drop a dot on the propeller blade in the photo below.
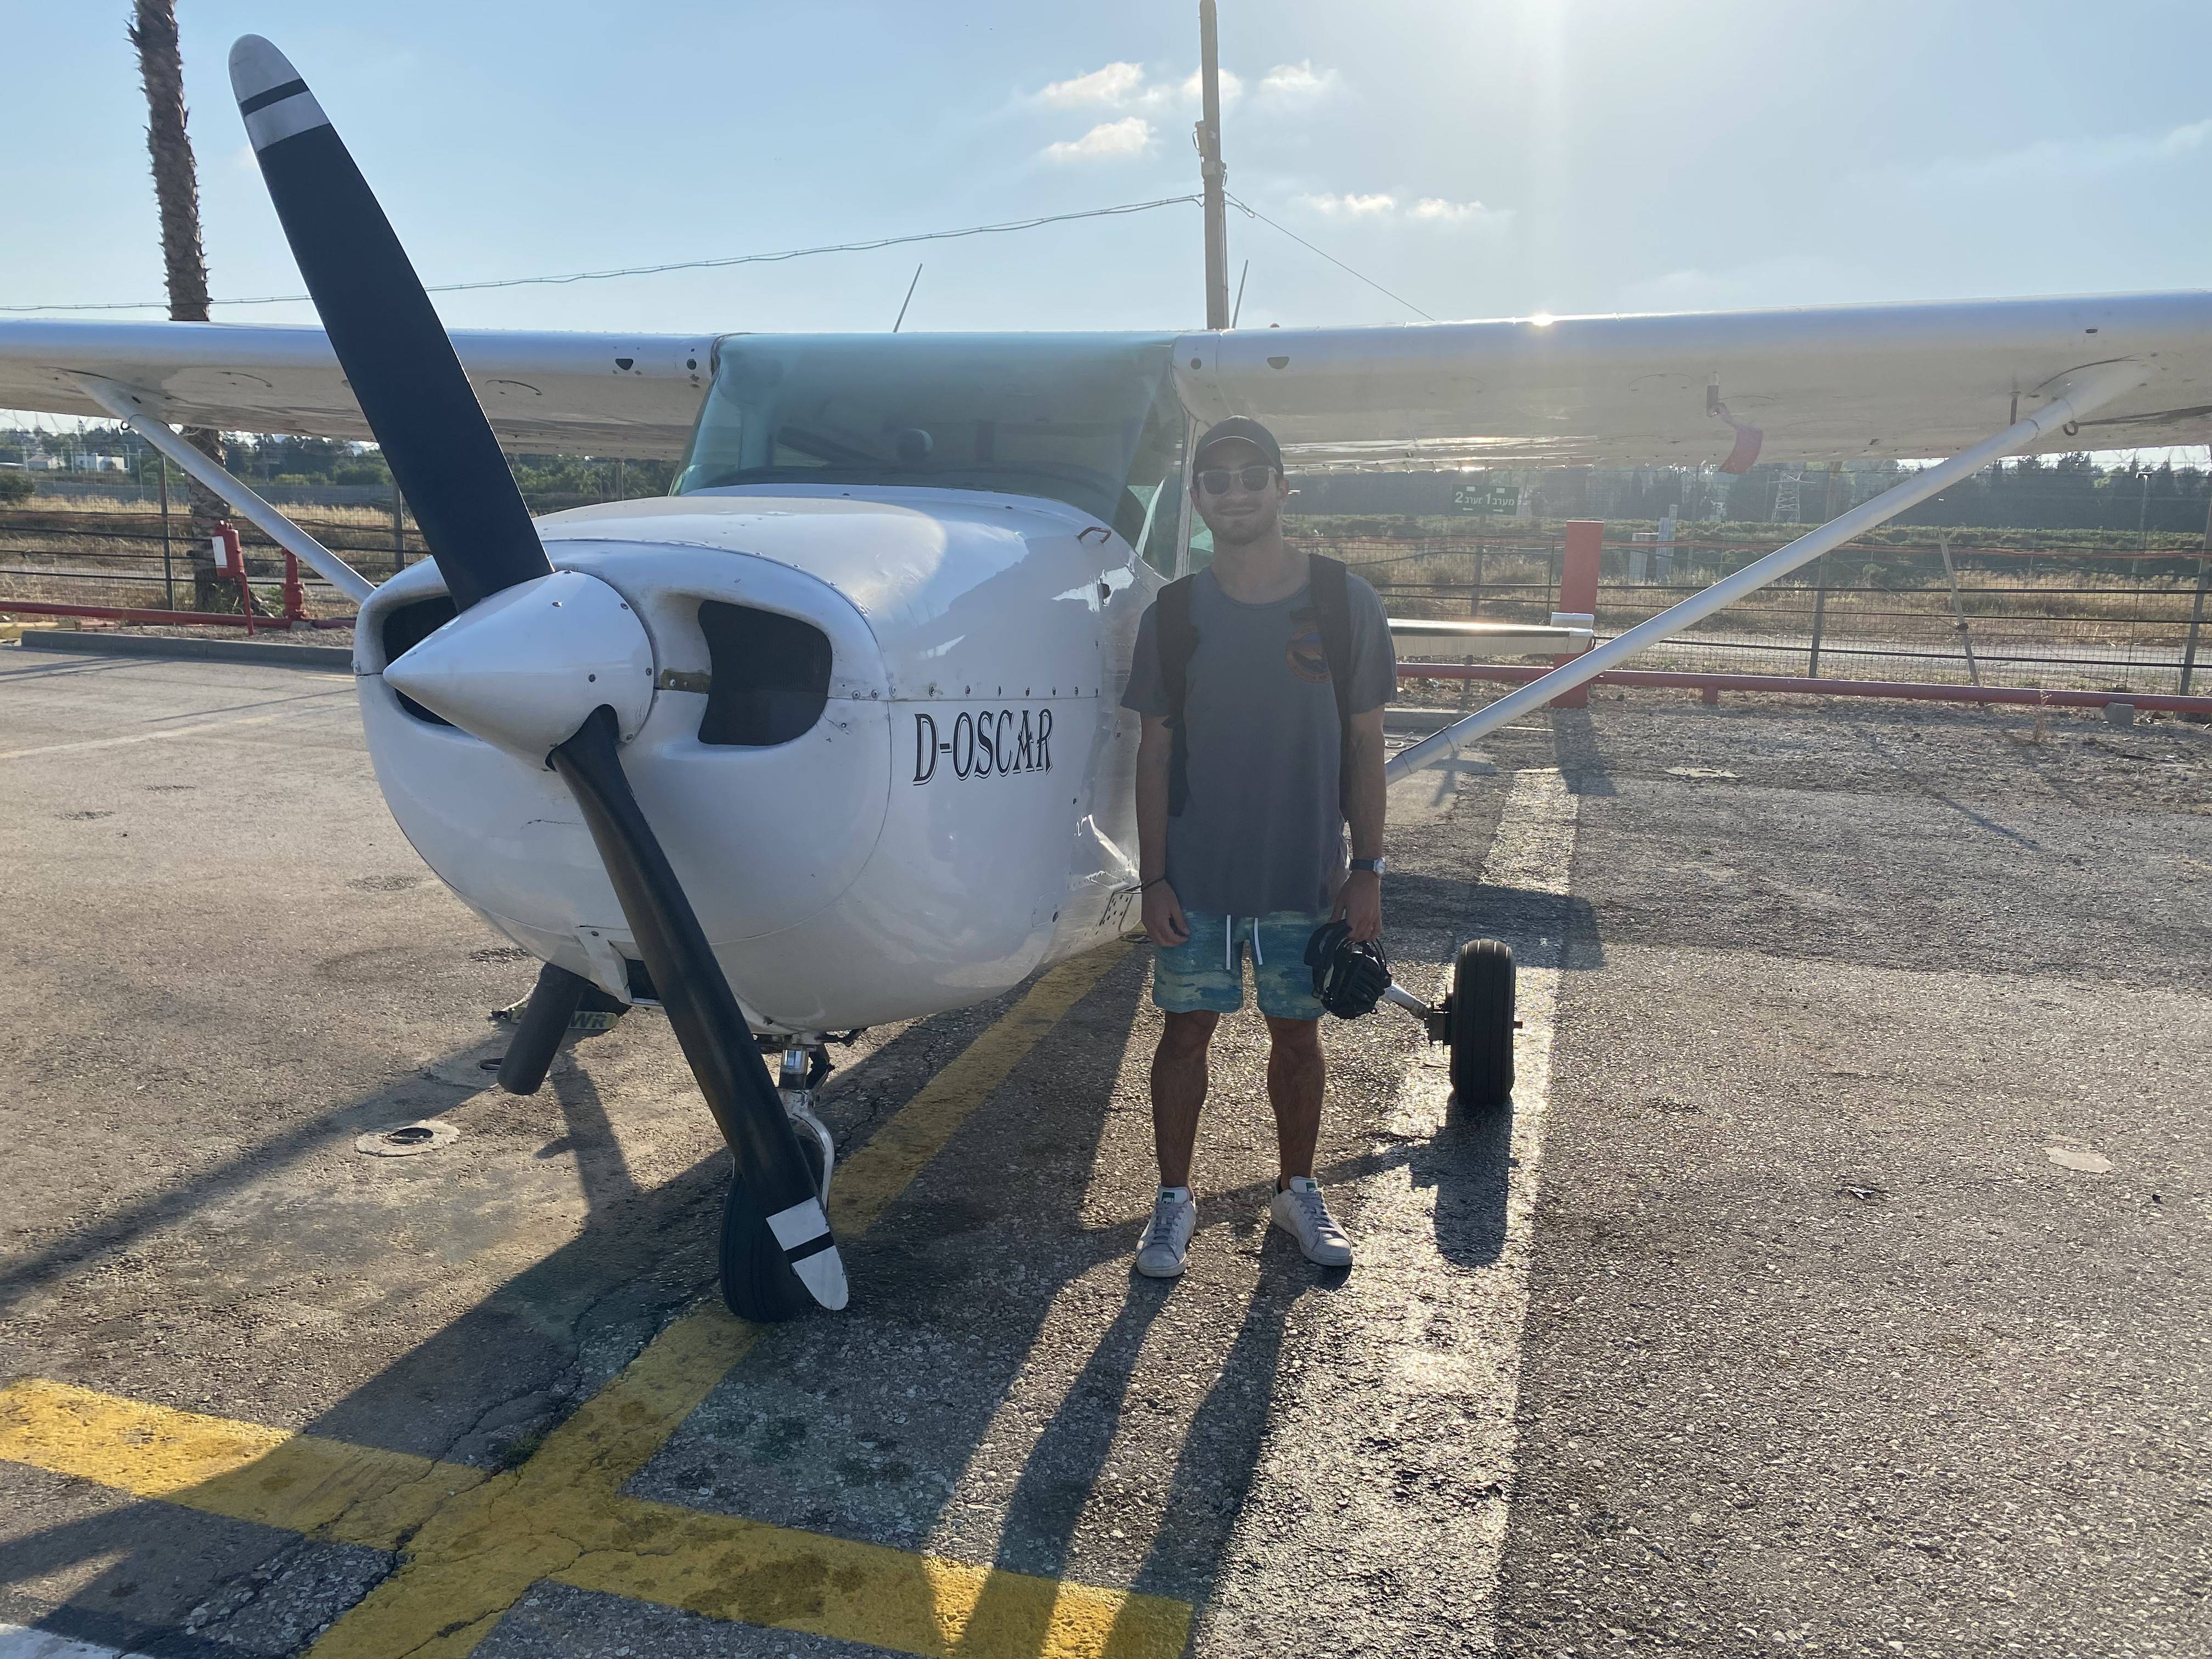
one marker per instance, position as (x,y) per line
(696,998)
(388,340)
(409,384)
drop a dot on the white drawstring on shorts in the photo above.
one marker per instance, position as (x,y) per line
(1229,944)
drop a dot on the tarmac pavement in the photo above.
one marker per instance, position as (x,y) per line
(1837,1284)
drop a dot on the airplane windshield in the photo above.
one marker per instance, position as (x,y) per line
(1090,420)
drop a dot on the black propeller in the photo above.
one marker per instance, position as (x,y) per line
(446,459)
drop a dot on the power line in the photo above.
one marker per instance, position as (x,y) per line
(999,229)
(1247,208)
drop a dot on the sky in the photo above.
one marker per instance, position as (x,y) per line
(1488,158)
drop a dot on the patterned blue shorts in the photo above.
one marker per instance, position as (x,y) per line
(1207,970)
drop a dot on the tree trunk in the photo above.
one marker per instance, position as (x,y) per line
(153,31)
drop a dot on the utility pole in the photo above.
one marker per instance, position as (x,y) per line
(1212,172)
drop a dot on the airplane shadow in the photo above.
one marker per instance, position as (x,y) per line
(520,1357)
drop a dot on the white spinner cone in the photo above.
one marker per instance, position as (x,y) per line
(525,668)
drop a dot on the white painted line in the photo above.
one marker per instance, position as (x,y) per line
(155,737)
(17,1642)
(1382,1492)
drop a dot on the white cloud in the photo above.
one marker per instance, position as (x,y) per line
(1296,80)
(1191,94)
(1349,206)
(2049,159)
(1131,86)
(1779,279)
(1126,136)
(1377,206)
(1114,84)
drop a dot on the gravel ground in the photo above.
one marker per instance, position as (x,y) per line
(1859,1234)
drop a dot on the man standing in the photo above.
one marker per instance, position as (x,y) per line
(1262,682)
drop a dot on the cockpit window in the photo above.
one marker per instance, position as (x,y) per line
(1090,420)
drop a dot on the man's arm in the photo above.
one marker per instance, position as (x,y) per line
(1164,918)
(1360,903)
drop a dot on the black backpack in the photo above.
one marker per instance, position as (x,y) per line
(1178,640)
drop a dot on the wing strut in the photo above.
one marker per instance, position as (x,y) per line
(128,407)
(2081,392)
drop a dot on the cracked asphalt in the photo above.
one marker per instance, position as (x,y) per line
(1859,1234)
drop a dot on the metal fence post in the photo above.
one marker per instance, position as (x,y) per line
(1820,618)
(1958,615)
(168,571)
(2196,622)
(398,532)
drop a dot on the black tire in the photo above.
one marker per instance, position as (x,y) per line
(757,1282)
(1481,1025)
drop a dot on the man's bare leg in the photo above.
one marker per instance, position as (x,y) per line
(1297,1076)
(1179,1091)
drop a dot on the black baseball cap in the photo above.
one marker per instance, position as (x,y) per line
(1239,429)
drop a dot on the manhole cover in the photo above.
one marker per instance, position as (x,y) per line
(408,1138)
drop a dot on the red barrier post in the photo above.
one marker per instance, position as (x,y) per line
(230,558)
(1577,594)
(295,596)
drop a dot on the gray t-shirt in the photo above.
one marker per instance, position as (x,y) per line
(1263,827)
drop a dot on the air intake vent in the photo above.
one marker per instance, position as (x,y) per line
(771,676)
(406,628)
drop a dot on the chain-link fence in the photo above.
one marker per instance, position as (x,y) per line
(72,554)
(1935,612)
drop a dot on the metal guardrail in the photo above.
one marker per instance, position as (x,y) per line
(2020,615)
(1925,614)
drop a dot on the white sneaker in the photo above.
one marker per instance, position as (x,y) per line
(1167,1235)
(1298,1211)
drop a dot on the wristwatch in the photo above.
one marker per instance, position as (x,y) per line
(1373,866)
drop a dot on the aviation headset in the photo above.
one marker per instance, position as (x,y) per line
(1348,979)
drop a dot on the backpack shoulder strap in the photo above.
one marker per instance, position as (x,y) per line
(1332,595)
(1177,642)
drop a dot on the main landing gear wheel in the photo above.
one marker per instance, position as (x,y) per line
(1480,1023)
(757,1282)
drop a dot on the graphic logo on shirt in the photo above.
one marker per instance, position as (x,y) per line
(1305,655)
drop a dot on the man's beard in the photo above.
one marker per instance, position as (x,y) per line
(1243,535)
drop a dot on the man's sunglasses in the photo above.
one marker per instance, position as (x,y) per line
(1214,481)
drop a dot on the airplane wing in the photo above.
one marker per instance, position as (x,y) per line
(631,395)
(1816,384)
(1828,383)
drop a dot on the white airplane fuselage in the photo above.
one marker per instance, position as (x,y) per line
(909,808)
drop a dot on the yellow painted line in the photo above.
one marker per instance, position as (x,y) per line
(476,1542)
(563,1513)
(756,1574)
(867,1182)
(245,1471)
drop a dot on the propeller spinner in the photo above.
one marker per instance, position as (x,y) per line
(552,666)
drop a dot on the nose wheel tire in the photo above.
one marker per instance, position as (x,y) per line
(1480,1025)
(757,1282)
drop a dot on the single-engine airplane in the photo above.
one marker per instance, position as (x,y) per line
(828,737)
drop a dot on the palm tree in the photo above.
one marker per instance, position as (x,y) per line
(153,30)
